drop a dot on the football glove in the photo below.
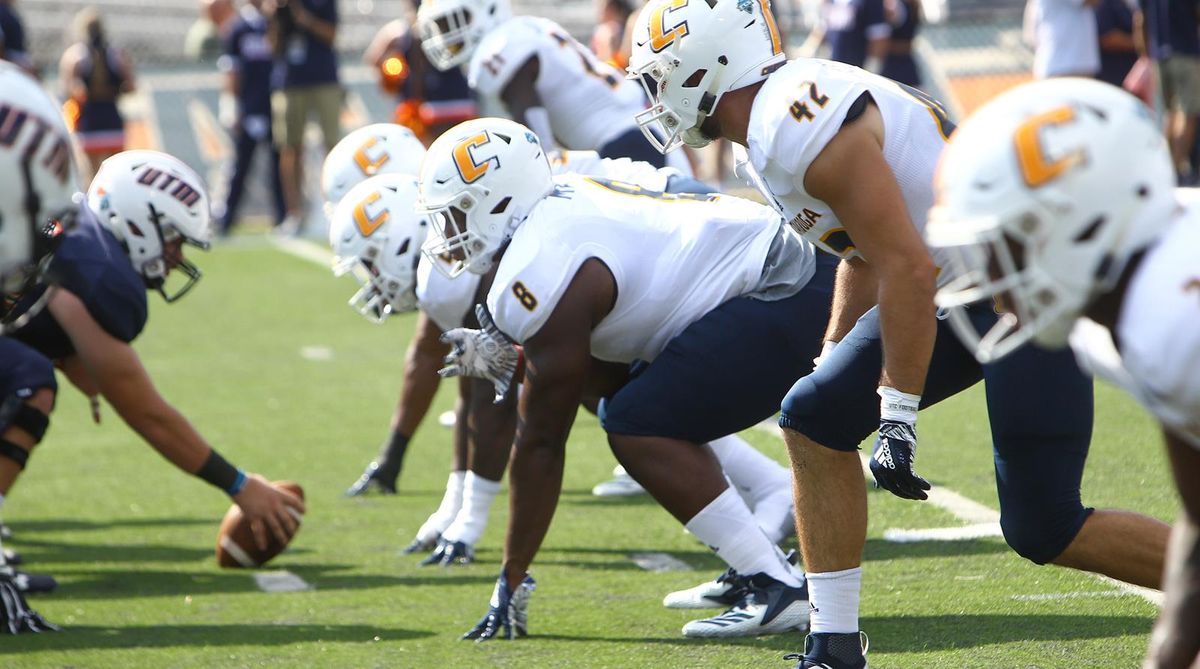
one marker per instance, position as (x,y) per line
(15,614)
(508,612)
(372,480)
(450,553)
(486,353)
(895,452)
(893,458)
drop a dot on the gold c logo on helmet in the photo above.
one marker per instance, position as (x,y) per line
(1036,168)
(660,37)
(369,166)
(468,169)
(367,224)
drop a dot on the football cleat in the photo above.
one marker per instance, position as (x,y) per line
(723,592)
(28,583)
(768,607)
(450,553)
(419,545)
(12,557)
(15,614)
(372,481)
(621,485)
(832,651)
(5,532)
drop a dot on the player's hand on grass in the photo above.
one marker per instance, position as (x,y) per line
(486,353)
(894,458)
(269,509)
(507,612)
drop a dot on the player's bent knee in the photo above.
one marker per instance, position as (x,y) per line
(802,414)
(1040,536)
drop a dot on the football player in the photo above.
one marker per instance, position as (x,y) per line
(36,204)
(142,208)
(848,158)
(541,76)
(1057,201)
(376,236)
(688,314)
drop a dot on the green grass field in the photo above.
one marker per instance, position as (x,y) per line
(131,539)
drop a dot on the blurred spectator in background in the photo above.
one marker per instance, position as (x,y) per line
(856,32)
(13,47)
(305,82)
(609,35)
(1166,31)
(899,65)
(1063,35)
(203,40)
(429,101)
(1114,27)
(246,61)
(93,76)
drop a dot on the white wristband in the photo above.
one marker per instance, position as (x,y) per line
(897,406)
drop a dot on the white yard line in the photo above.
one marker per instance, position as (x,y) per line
(659,562)
(974,514)
(280,581)
(304,249)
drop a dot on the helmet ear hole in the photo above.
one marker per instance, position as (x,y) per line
(1090,231)
(694,80)
(501,206)
(404,246)
(133,227)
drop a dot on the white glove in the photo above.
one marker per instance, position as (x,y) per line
(486,353)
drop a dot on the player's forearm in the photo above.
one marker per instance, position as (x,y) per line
(854,292)
(908,326)
(535,480)
(169,433)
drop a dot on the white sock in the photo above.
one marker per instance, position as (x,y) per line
(727,526)
(834,598)
(451,503)
(764,483)
(472,518)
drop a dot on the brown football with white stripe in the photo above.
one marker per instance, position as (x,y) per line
(235,540)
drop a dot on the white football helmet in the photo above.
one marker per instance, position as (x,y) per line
(688,53)
(451,30)
(380,148)
(149,199)
(1042,197)
(377,235)
(37,190)
(478,183)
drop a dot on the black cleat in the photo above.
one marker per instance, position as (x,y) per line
(28,583)
(15,614)
(419,545)
(372,481)
(832,651)
(12,557)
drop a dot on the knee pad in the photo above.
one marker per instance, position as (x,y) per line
(1041,534)
(14,412)
(13,452)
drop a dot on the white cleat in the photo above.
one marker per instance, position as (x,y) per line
(621,485)
(723,592)
(769,607)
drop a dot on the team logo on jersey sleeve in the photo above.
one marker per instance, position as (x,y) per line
(660,36)
(1037,168)
(464,160)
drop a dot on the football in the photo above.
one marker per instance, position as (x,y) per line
(235,540)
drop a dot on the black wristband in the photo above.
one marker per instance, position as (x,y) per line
(217,471)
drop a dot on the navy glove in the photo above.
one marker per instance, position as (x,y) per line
(507,612)
(893,458)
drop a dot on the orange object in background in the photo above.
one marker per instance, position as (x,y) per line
(70,113)
(393,72)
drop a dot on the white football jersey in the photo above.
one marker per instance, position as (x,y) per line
(447,302)
(589,102)
(619,169)
(799,110)
(1159,330)
(674,259)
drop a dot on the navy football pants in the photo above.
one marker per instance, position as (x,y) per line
(1039,406)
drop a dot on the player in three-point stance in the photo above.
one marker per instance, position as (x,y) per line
(1057,200)
(848,158)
